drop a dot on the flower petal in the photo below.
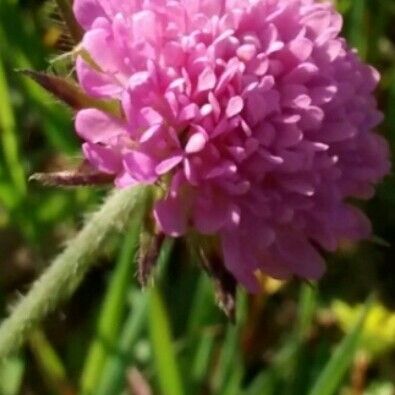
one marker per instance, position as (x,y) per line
(140,166)
(97,84)
(97,126)
(168,164)
(171,216)
(207,80)
(86,12)
(302,259)
(236,262)
(196,142)
(235,106)
(102,158)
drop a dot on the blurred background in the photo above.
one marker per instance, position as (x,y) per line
(111,338)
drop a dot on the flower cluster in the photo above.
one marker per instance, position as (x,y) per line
(253,114)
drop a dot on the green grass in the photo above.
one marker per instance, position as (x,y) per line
(284,342)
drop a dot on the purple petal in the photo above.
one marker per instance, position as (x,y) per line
(97,84)
(86,11)
(235,106)
(196,143)
(299,254)
(168,164)
(97,126)
(236,263)
(140,166)
(102,158)
(207,80)
(171,216)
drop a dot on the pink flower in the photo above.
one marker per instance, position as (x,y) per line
(254,114)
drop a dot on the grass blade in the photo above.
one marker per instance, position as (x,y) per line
(294,368)
(49,364)
(329,380)
(11,374)
(9,140)
(114,372)
(113,379)
(231,357)
(202,356)
(167,371)
(358,29)
(113,310)
(263,384)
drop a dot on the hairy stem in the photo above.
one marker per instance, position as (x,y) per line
(61,279)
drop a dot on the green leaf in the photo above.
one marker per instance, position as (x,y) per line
(49,364)
(233,385)
(9,139)
(331,377)
(306,310)
(263,384)
(357,28)
(114,372)
(113,309)
(113,379)
(11,374)
(165,359)
(201,332)
(202,357)
(231,357)
(294,367)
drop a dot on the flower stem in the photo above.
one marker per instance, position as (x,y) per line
(62,278)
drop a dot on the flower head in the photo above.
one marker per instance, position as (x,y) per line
(254,115)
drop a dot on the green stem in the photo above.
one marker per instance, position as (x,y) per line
(9,138)
(61,279)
